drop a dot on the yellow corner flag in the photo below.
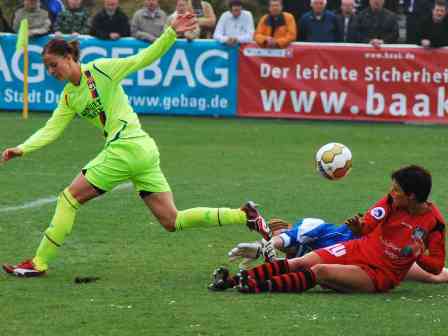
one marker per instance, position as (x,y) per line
(22,43)
(22,35)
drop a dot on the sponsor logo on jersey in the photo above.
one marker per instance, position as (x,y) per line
(338,250)
(91,84)
(95,108)
(378,213)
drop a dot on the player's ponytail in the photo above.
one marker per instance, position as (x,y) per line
(62,48)
(74,49)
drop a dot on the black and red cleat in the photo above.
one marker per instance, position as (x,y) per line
(255,220)
(248,285)
(26,269)
(220,280)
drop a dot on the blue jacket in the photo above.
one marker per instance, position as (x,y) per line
(326,29)
(54,7)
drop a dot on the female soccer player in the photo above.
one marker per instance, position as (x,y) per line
(401,229)
(93,91)
(309,234)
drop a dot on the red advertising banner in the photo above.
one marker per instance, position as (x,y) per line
(345,82)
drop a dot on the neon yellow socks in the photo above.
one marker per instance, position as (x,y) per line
(201,217)
(61,226)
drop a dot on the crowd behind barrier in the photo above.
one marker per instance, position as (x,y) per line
(205,77)
(357,21)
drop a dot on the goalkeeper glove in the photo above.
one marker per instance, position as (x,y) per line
(245,250)
(252,251)
(355,224)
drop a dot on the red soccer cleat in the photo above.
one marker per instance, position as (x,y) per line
(26,269)
(255,220)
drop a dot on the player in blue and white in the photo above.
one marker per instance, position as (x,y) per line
(309,234)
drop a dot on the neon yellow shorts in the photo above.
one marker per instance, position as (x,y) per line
(134,159)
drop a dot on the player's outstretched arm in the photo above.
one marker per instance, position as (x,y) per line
(184,23)
(11,153)
(53,128)
(120,68)
(252,251)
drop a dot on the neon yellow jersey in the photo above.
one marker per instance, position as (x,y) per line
(100,98)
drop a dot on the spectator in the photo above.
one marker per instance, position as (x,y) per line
(89,5)
(319,24)
(391,5)
(346,19)
(433,30)
(73,20)
(235,26)
(376,25)
(148,23)
(53,7)
(415,11)
(111,23)
(38,20)
(206,17)
(296,8)
(277,29)
(183,7)
(4,26)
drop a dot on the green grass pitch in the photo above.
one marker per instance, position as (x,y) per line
(154,282)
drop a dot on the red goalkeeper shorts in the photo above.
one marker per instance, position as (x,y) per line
(349,253)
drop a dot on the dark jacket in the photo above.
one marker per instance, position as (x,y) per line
(103,24)
(391,5)
(437,33)
(419,11)
(421,7)
(381,25)
(326,29)
(4,26)
(297,8)
(350,35)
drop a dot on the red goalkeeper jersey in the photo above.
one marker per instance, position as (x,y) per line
(393,239)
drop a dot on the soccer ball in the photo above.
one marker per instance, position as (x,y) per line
(334,161)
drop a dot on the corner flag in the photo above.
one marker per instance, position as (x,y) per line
(22,43)
(22,35)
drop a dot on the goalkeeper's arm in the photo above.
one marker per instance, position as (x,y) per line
(355,224)
(252,251)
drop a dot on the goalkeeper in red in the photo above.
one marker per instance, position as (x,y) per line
(400,229)
(93,91)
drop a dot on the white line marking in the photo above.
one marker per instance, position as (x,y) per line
(49,200)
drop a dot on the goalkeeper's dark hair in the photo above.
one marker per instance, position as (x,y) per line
(415,180)
(62,48)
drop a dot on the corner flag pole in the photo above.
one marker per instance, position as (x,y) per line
(25,83)
(22,43)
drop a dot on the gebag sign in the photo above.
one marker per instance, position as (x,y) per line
(196,78)
(348,82)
